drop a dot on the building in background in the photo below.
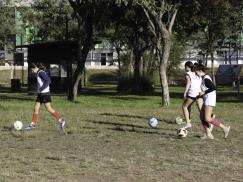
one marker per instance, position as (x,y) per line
(102,56)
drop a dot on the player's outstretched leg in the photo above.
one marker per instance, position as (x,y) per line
(56,114)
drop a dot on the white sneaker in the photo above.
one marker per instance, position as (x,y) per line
(205,136)
(188,125)
(226,131)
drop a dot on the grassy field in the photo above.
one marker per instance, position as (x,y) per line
(107,139)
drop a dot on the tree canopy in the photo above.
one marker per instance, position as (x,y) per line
(139,25)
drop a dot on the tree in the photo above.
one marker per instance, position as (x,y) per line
(48,20)
(211,21)
(161,17)
(7,28)
(139,38)
(93,18)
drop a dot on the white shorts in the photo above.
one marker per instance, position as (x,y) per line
(210,99)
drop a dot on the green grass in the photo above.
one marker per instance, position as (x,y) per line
(107,139)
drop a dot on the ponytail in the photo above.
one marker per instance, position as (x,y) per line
(200,67)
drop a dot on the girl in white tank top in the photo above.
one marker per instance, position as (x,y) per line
(192,90)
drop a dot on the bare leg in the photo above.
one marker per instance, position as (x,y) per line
(199,104)
(215,122)
(186,109)
(205,124)
(49,108)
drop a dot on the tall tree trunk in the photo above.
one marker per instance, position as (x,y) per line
(163,57)
(206,58)
(86,47)
(119,61)
(137,87)
(78,73)
(212,66)
(162,33)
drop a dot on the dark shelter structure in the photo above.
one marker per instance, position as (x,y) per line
(230,75)
(60,59)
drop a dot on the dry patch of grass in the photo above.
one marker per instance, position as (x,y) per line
(107,139)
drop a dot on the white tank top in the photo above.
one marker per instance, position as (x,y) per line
(195,86)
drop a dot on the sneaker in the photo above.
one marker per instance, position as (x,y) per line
(30,127)
(205,136)
(179,120)
(188,125)
(226,131)
(62,124)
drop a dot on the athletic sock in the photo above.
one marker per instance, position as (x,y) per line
(34,119)
(57,115)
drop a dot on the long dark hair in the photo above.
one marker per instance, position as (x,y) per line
(200,67)
(190,65)
(38,65)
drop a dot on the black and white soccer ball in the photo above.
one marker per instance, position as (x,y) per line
(182,132)
(18,125)
(153,122)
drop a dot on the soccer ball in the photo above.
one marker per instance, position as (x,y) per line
(182,132)
(18,125)
(179,120)
(153,122)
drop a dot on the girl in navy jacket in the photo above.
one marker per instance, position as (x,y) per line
(44,96)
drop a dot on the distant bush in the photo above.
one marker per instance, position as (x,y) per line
(102,76)
(126,84)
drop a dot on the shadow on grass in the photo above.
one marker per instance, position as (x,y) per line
(118,124)
(128,98)
(8,94)
(224,94)
(135,129)
(229,97)
(124,115)
(135,116)
(156,132)
(11,97)
(7,128)
(7,89)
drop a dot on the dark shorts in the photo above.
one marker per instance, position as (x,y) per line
(193,98)
(43,98)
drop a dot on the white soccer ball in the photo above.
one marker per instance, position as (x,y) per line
(18,125)
(153,122)
(179,120)
(182,132)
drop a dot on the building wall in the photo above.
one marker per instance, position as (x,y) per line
(100,57)
(221,56)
